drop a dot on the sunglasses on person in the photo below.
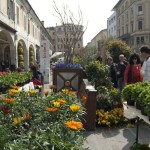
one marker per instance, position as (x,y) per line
(134,58)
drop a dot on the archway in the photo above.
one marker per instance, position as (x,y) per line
(7,50)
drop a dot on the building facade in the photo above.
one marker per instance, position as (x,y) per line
(133,22)
(99,38)
(69,36)
(111,26)
(21,33)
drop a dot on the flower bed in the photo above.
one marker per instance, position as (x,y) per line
(30,120)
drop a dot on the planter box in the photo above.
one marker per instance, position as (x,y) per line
(67,78)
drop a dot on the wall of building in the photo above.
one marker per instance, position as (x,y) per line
(19,22)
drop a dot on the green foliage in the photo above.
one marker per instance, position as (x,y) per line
(98,74)
(14,78)
(115,95)
(139,146)
(127,92)
(89,54)
(116,47)
(31,124)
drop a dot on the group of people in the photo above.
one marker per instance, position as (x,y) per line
(135,70)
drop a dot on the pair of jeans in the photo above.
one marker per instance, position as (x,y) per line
(121,83)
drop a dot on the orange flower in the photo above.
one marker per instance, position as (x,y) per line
(26,116)
(46,92)
(51,109)
(15,87)
(8,100)
(84,98)
(52,86)
(61,101)
(74,125)
(72,92)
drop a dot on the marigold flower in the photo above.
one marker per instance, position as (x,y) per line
(74,108)
(46,92)
(16,121)
(61,101)
(8,100)
(15,87)
(65,91)
(84,98)
(13,92)
(71,92)
(51,109)
(74,125)
(31,92)
(52,86)
(56,104)
(26,116)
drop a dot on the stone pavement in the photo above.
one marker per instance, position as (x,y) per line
(116,138)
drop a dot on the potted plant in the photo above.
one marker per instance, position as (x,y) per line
(127,93)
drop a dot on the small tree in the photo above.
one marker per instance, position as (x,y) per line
(116,47)
(73,28)
(88,54)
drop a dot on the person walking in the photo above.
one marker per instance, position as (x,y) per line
(145,56)
(113,68)
(133,70)
(121,66)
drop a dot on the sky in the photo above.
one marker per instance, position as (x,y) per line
(95,13)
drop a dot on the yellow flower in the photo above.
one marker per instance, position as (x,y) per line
(65,91)
(74,108)
(51,109)
(56,104)
(74,125)
(31,92)
(16,121)
(13,92)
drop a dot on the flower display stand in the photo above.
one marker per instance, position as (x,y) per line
(67,78)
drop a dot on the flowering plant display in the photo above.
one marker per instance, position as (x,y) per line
(68,65)
(20,54)
(30,120)
(109,118)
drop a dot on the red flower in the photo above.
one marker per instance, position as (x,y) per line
(6,110)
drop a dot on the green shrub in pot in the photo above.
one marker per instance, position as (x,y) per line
(127,93)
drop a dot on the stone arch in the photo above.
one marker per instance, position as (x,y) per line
(7,49)
(31,55)
(22,54)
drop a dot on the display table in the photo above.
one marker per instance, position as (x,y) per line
(131,112)
(27,87)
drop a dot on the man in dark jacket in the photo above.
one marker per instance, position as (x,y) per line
(113,68)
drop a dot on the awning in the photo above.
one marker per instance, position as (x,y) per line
(56,54)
